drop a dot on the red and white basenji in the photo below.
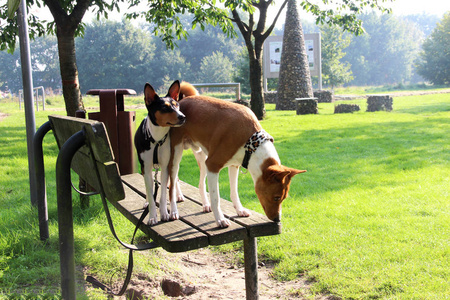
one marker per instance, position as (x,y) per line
(224,134)
(153,135)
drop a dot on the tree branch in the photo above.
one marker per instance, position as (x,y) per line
(78,12)
(243,28)
(56,10)
(272,26)
(65,20)
(262,18)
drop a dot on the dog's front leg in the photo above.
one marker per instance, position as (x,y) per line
(213,185)
(173,203)
(148,179)
(163,198)
(233,173)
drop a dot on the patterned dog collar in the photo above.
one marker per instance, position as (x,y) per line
(253,143)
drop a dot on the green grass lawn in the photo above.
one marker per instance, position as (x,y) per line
(369,220)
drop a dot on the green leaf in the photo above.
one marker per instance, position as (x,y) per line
(13,5)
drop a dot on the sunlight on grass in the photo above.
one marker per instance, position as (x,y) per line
(368,220)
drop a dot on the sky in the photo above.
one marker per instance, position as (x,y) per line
(410,7)
(399,8)
(403,7)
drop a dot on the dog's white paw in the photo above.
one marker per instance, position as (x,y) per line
(243,212)
(180,198)
(165,217)
(174,216)
(207,209)
(152,221)
(223,223)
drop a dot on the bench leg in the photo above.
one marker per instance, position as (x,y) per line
(39,171)
(65,217)
(251,268)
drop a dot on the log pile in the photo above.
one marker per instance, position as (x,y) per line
(346,108)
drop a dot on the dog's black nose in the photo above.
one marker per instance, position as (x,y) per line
(277,219)
(182,117)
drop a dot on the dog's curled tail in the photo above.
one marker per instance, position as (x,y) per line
(187,89)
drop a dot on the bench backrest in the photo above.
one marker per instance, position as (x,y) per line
(94,162)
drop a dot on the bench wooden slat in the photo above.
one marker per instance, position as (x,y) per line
(136,182)
(64,127)
(83,166)
(191,213)
(174,236)
(256,224)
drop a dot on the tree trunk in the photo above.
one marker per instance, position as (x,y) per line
(69,71)
(66,26)
(256,84)
(255,63)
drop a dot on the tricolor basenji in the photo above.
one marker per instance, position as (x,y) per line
(224,134)
(153,135)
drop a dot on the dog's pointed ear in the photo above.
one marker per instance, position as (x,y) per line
(295,172)
(281,173)
(275,174)
(174,90)
(149,94)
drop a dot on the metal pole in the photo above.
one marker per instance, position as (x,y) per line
(43,98)
(27,80)
(238,92)
(41,191)
(65,217)
(320,61)
(35,94)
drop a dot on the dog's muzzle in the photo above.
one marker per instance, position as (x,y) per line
(181,119)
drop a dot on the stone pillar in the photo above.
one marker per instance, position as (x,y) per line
(305,106)
(324,96)
(346,108)
(379,103)
(295,79)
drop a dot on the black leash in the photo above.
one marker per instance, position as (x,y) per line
(130,246)
(152,245)
(156,164)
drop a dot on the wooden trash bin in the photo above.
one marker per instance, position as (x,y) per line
(120,124)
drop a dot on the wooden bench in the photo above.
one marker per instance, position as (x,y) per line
(84,147)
